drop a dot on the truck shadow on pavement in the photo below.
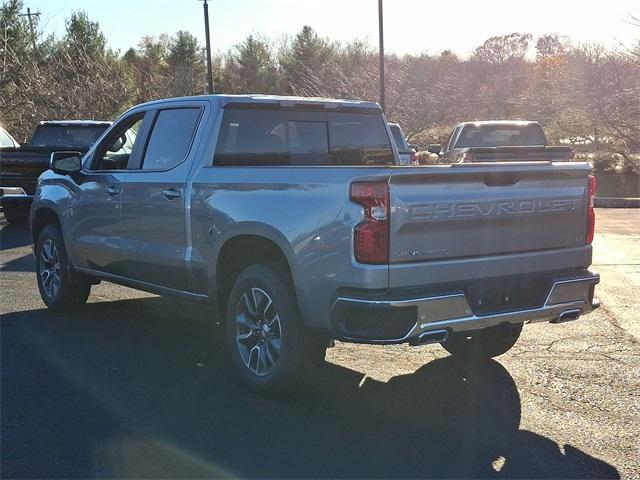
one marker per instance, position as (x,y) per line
(142,389)
(13,236)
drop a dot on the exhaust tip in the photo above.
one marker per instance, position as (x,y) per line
(437,336)
(568,316)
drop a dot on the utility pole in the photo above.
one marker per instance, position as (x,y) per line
(381,31)
(33,33)
(208,42)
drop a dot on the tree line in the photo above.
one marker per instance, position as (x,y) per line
(585,95)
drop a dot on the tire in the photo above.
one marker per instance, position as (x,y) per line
(15,214)
(269,347)
(484,344)
(61,289)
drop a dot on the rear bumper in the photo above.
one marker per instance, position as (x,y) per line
(409,319)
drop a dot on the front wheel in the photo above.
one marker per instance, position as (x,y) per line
(270,349)
(60,288)
(484,344)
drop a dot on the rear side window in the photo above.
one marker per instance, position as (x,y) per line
(279,137)
(170,138)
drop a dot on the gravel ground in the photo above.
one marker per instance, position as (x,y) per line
(138,386)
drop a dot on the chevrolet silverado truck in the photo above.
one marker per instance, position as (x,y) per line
(21,165)
(294,218)
(500,141)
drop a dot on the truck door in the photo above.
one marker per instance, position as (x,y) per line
(95,216)
(154,234)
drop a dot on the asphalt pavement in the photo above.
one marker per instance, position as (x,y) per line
(138,386)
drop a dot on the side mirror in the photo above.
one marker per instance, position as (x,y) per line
(66,163)
(434,148)
(117,144)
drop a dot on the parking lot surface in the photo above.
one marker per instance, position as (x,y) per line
(138,386)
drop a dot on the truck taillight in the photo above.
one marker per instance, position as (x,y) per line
(371,236)
(414,159)
(591,214)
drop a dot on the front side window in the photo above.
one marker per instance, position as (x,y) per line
(170,138)
(114,152)
(279,137)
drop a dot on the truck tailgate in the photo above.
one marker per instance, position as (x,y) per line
(478,211)
(511,154)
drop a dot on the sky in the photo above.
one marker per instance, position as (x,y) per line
(411,26)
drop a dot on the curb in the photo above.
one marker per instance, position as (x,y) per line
(612,202)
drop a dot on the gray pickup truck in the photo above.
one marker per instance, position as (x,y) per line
(500,141)
(293,217)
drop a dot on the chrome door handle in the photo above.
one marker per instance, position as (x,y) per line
(171,194)
(112,190)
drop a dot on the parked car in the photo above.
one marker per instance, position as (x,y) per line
(290,217)
(6,140)
(500,141)
(21,165)
(407,152)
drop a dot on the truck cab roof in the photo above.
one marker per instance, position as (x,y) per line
(69,123)
(488,123)
(278,101)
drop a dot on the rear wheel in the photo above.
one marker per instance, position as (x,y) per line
(270,349)
(60,287)
(484,344)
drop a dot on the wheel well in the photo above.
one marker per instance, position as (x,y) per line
(43,217)
(238,254)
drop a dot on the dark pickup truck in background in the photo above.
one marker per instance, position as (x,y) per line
(500,141)
(21,165)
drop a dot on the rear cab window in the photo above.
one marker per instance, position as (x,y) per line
(501,136)
(266,137)
(67,135)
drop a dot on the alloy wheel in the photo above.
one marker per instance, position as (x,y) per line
(258,331)
(49,268)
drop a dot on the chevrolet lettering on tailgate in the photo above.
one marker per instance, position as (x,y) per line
(444,210)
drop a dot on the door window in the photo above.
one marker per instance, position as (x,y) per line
(171,138)
(114,152)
